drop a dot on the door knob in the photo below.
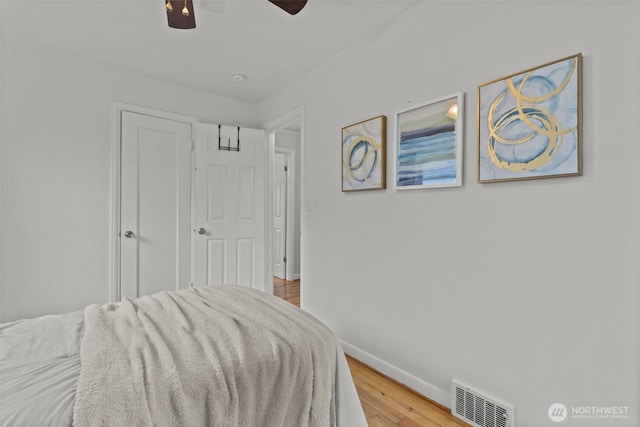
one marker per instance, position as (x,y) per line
(128,234)
(201,230)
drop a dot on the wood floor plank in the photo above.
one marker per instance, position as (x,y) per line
(408,422)
(373,399)
(390,404)
(375,415)
(386,403)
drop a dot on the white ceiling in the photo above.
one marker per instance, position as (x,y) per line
(252,37)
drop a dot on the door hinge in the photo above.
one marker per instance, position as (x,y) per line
(192,145)
(286,168)
(284,259)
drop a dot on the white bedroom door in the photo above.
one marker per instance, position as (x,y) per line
(229,232)
(155,205)
(279,215)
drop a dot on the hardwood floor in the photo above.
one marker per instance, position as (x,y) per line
(287,290)
(386,403)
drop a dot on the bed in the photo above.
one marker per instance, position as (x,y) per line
(211,356)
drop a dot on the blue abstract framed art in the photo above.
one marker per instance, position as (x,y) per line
(529,123)
(429,140)
(363,155)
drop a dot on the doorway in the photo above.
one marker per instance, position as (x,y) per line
(285,138)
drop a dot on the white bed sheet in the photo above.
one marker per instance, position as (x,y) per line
(40,366)
(39,369)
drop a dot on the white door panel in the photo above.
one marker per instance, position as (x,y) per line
(155,205)
(279,215)
(229,206)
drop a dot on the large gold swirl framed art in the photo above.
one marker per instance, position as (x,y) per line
(363,155)
(530,123)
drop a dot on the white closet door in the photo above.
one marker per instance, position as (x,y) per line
(155,234)
(229,207)
(279,215)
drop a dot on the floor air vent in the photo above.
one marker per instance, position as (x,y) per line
(478,409)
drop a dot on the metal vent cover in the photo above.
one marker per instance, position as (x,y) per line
(478,409)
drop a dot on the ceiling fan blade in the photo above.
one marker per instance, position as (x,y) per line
(290,6)
(180,14)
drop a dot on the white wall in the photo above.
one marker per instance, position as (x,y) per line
(526,290)
(291,140)
(56,160)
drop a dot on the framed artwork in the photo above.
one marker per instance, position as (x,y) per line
(363,155)
(429,140)
(530,123)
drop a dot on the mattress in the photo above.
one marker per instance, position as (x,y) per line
(40,366)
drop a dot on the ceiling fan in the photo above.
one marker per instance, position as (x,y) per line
(185,19)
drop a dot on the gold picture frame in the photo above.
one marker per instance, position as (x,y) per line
(364,160)
(530,123)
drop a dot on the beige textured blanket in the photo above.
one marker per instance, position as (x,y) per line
(214,356)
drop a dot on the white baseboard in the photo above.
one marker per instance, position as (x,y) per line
(296,276)
(421,386)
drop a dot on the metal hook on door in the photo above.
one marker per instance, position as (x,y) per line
(228,147)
